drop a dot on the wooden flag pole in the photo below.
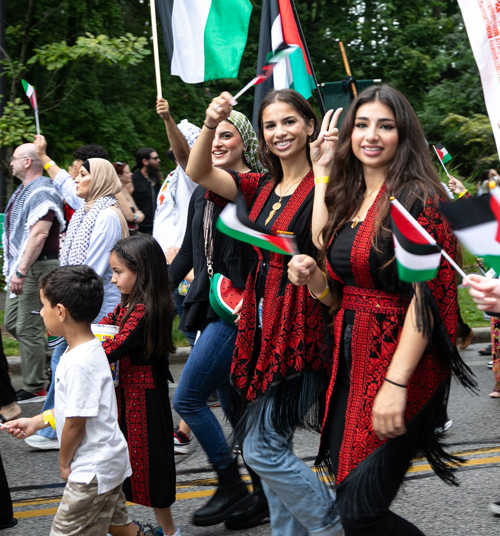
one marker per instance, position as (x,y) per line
(156,53)
(347,68)
(442,163)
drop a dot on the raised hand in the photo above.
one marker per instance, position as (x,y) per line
(219,109)
(323,149)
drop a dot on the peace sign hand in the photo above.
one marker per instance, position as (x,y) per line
(323,149)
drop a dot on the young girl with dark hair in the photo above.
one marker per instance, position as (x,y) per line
(141,347)
(394,342)
(280,363)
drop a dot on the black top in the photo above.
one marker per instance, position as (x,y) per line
(231,258)
(145,194)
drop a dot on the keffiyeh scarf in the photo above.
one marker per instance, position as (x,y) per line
(29,204)
(80,229)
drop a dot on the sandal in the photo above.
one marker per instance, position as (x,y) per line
(495,394)
(10,412)
(485,351)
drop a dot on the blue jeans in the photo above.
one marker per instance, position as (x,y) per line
(49,401)
(207,370)
(179,309)
(299,503)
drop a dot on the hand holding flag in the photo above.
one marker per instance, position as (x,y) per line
(31,94)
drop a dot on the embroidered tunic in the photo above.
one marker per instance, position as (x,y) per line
(375,302)
(144,411)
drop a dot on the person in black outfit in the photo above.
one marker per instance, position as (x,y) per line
(147,182)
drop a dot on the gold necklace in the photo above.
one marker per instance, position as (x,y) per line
(355,221)
(277,205)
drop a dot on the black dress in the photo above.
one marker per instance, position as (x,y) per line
(144,411)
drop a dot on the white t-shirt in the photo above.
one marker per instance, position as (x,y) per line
(84,388)
(171,218)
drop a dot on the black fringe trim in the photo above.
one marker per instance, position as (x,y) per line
(297,402)
(363,491)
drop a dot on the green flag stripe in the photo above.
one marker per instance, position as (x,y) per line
(226,23)
(249,239)
(415,276)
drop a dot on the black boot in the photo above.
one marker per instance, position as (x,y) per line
(255,509)
(231,491)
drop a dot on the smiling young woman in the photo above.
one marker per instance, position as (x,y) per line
(394,342)
(280,363)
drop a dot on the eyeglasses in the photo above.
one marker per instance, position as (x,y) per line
(12,158)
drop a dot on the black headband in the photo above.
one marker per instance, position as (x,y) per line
(123,253)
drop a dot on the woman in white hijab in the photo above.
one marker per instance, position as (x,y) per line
(93,230)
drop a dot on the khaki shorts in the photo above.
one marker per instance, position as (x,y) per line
(83,512)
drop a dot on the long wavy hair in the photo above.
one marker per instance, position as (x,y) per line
(269,160)
(409,177)
(143,255)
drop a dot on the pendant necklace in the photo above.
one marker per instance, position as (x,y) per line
(277,205)
(356,220)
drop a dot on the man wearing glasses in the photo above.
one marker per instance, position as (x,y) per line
(33,221)
(147,180)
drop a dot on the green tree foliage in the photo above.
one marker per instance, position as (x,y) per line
(95,79)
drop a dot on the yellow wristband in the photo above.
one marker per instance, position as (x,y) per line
(48,418)
(462,194)
(49,165)
(325,292)
(321,180)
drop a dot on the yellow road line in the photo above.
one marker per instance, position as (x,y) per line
(422,468)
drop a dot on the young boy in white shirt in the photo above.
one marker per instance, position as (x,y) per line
(93,456)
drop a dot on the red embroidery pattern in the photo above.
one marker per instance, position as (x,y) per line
(133,382)
(376,331)
(292,321)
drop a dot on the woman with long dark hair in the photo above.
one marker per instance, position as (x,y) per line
(394,342)
(280,363)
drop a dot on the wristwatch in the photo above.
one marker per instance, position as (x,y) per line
(20,275)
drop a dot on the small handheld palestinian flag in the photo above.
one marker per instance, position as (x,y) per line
(234,222)
(476,223)
(444,157)
(278,55)
(31,94)
(418,255)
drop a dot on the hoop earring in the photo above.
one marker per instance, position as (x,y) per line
(246,157)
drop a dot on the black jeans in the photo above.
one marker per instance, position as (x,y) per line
(384,522)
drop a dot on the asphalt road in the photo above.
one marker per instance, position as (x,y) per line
(438,509)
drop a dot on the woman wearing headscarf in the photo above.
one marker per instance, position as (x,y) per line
(208,367)
(94,229)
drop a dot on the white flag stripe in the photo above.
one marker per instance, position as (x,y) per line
(230,218)
(480,239)
(29,91)
(189,62)
(416,262)
(479,15)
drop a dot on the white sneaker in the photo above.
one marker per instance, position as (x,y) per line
(442,429)
(42,443)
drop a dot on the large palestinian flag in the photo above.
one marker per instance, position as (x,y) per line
(204,39)
(417,255)
(234,222)
(278,24)
(475,222)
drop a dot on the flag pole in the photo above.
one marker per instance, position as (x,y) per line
(428,237)
(319,97)
(37,120)
(347,68)
(442,163)
(156,53)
